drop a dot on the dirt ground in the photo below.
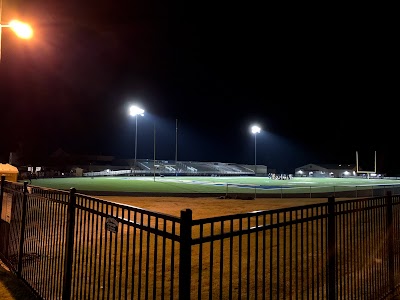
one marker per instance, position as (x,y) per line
(209,206)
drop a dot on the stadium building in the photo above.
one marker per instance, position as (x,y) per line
(327,170)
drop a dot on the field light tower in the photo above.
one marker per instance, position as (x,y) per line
(135,111)
(255,129)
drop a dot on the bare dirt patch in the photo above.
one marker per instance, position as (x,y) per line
(204,207)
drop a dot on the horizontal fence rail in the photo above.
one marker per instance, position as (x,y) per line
(67,245)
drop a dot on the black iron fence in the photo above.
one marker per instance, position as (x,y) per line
(66,245)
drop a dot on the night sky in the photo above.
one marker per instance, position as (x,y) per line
(320,87)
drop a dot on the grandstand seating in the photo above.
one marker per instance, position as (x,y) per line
(182,168)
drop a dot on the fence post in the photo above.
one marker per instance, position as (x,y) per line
(389,230)
(331,285)
(185,255)
(69,247)
(22,234)
(3,178)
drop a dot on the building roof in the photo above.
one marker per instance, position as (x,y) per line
(330,166)
(337,166)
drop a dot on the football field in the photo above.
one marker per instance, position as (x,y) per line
(184,185)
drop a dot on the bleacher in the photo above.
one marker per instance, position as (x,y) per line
(144,165)
(230,168)
(148,167)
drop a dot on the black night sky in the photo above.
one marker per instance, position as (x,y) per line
(319,84)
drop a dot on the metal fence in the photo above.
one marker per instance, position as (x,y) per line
(66,245)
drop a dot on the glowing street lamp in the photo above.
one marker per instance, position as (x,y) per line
(22,30)
(135,111)
(255,129)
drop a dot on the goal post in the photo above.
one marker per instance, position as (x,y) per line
(368,172)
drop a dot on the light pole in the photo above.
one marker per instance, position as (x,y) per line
(176,147)
(154,158)
(135,111)
(255,129)
(22,30)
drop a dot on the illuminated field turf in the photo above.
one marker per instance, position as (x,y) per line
(219,185)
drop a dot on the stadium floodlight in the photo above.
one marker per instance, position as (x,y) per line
(255,129)
(135,111)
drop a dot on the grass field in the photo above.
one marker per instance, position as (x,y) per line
(213,185)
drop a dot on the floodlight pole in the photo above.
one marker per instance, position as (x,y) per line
(255,154)
(134,164)
(176,147)
(255,129)
(357,162)
(135,111)
(154,161)
(134,161)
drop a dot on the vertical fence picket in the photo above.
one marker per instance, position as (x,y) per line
(331,250)
(389,229)
(69,246)
(22,234)
(185,260)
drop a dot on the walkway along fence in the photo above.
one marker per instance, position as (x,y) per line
(66,245)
